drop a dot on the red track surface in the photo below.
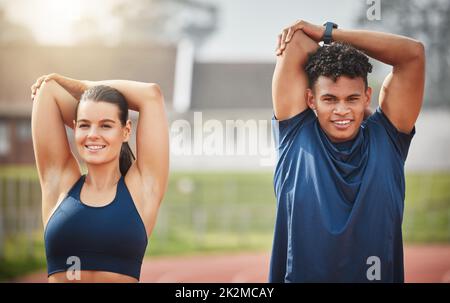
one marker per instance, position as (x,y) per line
(422,264)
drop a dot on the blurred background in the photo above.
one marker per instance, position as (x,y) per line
(214,61)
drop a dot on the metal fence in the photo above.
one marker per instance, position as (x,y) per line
(194,211)
(207,211)
(20,211)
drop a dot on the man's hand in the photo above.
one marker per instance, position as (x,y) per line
(315,32)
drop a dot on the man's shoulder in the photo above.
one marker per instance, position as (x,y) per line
(293,129)
(303,117)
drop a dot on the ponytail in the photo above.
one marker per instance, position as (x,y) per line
(126,158)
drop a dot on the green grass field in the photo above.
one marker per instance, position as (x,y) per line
(427,208)
(234,211)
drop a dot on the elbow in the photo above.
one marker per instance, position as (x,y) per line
(48,86)
(412,53)
(417,51)
(45,92)
(155,92)
(303,42)
(298,38)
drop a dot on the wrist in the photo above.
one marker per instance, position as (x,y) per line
(315,32)
(74,86)
(336,34)
(327,36)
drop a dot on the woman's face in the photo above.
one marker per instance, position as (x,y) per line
(99,134)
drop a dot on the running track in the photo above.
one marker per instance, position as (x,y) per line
(422,264)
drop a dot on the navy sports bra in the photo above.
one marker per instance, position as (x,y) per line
(108,238)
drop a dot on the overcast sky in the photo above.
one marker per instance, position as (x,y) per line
(247,29)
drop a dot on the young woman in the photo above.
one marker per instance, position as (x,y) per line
(97,225)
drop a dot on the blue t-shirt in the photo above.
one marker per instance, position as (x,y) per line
(339,206)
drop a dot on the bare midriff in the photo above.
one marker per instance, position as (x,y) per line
(89,276)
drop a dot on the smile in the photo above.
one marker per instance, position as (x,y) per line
(342,122)
(95,147)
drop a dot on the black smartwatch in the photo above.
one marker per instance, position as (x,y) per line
(327,39)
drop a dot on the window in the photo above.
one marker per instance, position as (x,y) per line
(5,143)
(23,130)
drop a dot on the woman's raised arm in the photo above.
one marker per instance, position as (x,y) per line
(56,165)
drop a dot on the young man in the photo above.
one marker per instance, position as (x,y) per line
(339,180)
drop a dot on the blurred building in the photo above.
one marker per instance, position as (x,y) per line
(232,86)
(220,90)
(20,66)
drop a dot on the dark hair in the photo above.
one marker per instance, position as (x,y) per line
(111,95)
(335,60)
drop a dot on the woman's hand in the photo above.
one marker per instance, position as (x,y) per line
(75,87)
(36,85)
(315,32)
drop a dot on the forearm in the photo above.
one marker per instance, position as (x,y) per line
(391,49)
(137,94)
(75,87)
(53,98)
(290,82)
(66,104)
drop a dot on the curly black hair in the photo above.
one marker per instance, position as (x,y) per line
(335,60)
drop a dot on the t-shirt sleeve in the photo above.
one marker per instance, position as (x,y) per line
(285,130)
(400,140)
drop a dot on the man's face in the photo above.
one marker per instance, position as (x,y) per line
(339,106)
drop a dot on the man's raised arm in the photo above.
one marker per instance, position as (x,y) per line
(289,81)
